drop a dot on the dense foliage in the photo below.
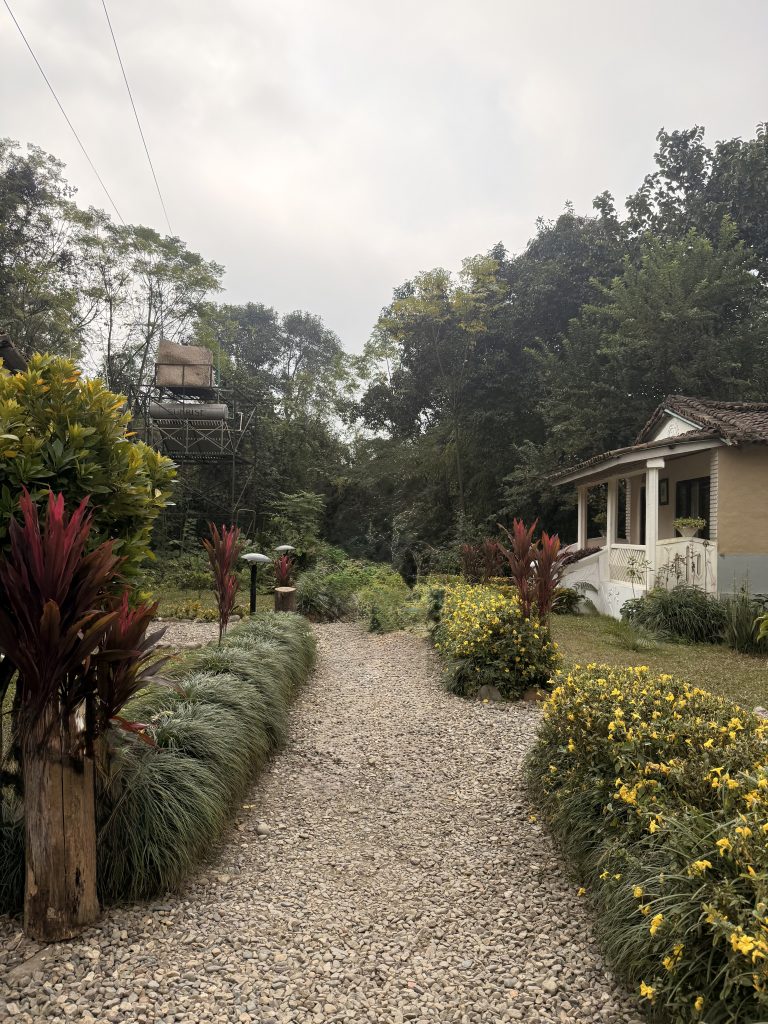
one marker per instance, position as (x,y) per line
(60,432)
(685,613)
(488,639)
(658,793)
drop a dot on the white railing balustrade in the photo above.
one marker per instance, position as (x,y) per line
(628,564)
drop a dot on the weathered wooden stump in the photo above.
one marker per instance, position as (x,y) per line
(60,835)
(285,599)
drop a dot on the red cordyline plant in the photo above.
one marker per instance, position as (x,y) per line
(549,572)
(481,562)
(51,615)
(536,567)
(126,663)
(283,571)
(223,552)
(521,556)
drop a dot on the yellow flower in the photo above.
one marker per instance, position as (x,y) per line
(581,891)
(699,867)
(656,923)
(723,845)
(698,1004)
(647,991)
(638,892)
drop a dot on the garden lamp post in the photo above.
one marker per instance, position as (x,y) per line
(255,559)
(283,549)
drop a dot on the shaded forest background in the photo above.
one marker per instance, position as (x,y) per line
(473,389)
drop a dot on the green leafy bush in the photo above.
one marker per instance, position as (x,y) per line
(658,793)
(386,603)
(327,592)
(60,432)
(489,640)
(685,612)
(741,613)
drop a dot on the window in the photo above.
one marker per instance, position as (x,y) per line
(692,499)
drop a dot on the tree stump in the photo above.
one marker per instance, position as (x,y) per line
(285,599)
(59,834)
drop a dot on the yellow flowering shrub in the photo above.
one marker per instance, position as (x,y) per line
(658,790)
(487,639)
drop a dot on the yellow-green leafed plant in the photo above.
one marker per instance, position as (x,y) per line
(658,792)
(488,640)
(61,432)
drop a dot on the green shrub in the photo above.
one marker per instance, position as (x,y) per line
(658,794)
(60,432)
(567,601)
(741,612)
(488,640)
(685,612)
(327,593)
(386,603)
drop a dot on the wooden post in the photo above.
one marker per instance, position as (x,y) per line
(285,599)
(59,835)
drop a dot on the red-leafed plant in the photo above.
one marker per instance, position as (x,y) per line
(51,615)
(481,562)
(126,663)
(283,571)
(521,556)
(536,567)
(223,552)
(79,655)
(548,573)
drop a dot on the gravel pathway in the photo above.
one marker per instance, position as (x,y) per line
(387,870)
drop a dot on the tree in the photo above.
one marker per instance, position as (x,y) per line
(39,236)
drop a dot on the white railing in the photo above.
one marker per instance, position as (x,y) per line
(628,564)
(688,560)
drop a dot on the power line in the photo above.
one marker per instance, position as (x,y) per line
(136,115)
(61,108)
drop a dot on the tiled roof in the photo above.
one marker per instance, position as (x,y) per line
(733,422)
(661,442)
(737,422)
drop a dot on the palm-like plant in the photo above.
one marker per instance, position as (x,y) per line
(223,550)
(521,556)
(283,570)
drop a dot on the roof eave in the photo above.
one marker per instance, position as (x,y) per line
(635,455)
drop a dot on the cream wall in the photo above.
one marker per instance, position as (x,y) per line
(686,467)
(743,500)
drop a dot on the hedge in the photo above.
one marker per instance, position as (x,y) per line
(658,794)
(163,808)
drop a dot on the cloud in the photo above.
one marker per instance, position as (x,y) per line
(326,152)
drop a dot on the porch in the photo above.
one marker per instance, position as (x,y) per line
(640,547)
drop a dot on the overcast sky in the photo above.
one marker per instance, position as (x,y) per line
(326,150)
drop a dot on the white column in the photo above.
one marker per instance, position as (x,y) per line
(652,468)
(581,538)
(612,512)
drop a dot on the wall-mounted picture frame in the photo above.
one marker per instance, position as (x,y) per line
(664,491)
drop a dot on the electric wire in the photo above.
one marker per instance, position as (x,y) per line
(63,111)
(136,115)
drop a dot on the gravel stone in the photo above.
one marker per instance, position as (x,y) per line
(402,880)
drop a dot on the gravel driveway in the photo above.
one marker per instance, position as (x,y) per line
(386,870)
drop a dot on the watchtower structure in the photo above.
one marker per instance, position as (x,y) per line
(193,420)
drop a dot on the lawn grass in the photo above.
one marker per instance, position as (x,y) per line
(741,677)
(171,598)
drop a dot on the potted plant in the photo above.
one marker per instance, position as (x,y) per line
(689,526)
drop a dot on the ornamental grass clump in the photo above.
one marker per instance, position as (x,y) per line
(658,793)
(488,639)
